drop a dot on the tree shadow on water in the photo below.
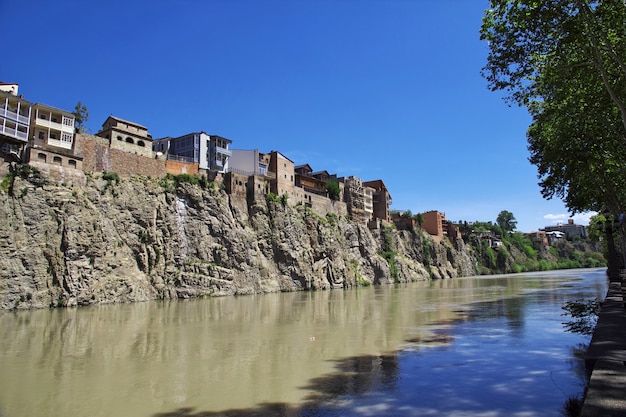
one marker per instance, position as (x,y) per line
(354,375)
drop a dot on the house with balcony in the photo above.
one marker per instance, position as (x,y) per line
(382,199)
(127,136)
(52,127)
(53,139)
(15,114)
(210,152)
(309,181)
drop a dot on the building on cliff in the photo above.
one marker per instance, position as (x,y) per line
(436,225)
(14,122)
(127,136)
(359,199)
(37,134)
(52,139)
(570,229)
(210,152)
(382,199)
(46,137)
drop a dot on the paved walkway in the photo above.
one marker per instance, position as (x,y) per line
(606,358)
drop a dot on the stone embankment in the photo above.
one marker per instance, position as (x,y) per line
(606,358)
(143,239)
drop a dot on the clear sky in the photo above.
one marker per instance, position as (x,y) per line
(380,89)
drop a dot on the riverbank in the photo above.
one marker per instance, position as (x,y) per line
(606,358)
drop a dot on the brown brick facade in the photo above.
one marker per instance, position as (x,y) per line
(98,157)
(177,168)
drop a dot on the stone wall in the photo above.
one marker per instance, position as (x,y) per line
(133,147)
(98,157)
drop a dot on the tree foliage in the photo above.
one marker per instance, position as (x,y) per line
(81,115)
(334,192)
(506,221)
(565,61)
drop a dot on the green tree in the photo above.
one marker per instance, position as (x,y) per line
(81,115)
(564,61)
(506,221)
(333,190)
(419,218)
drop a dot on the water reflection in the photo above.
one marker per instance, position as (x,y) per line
(479,345)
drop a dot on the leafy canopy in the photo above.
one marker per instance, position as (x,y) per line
(564,61)
(506,221)
(81,115)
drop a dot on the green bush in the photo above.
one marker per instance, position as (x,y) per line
(109,177)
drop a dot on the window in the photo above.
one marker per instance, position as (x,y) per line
(56,160)
(41,156)
(66,137)
(68,121)
(54,136)
(41,135)
(129,139)
(141,143)
(72,163)
(54,119)
(120,138)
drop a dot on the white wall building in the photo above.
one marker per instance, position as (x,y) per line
(53,126)
(15,114)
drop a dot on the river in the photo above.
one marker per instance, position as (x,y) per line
(475,346)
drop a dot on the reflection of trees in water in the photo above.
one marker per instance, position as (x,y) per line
(577,362)
(355,375)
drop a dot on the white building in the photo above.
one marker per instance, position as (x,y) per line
(52,126)
(15,113)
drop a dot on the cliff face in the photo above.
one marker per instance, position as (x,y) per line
(143,239)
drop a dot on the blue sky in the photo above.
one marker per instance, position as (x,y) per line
(378,89)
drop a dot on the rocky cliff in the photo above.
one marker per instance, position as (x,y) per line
(141,239)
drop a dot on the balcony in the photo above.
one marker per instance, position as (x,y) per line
(59,143)
(13,116)
(53,125)
(14,133)
(223,151)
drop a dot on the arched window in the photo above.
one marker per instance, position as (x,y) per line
(120,138)
(129,140)
(57,160)
(41,156)
(141,143)
(72,163)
